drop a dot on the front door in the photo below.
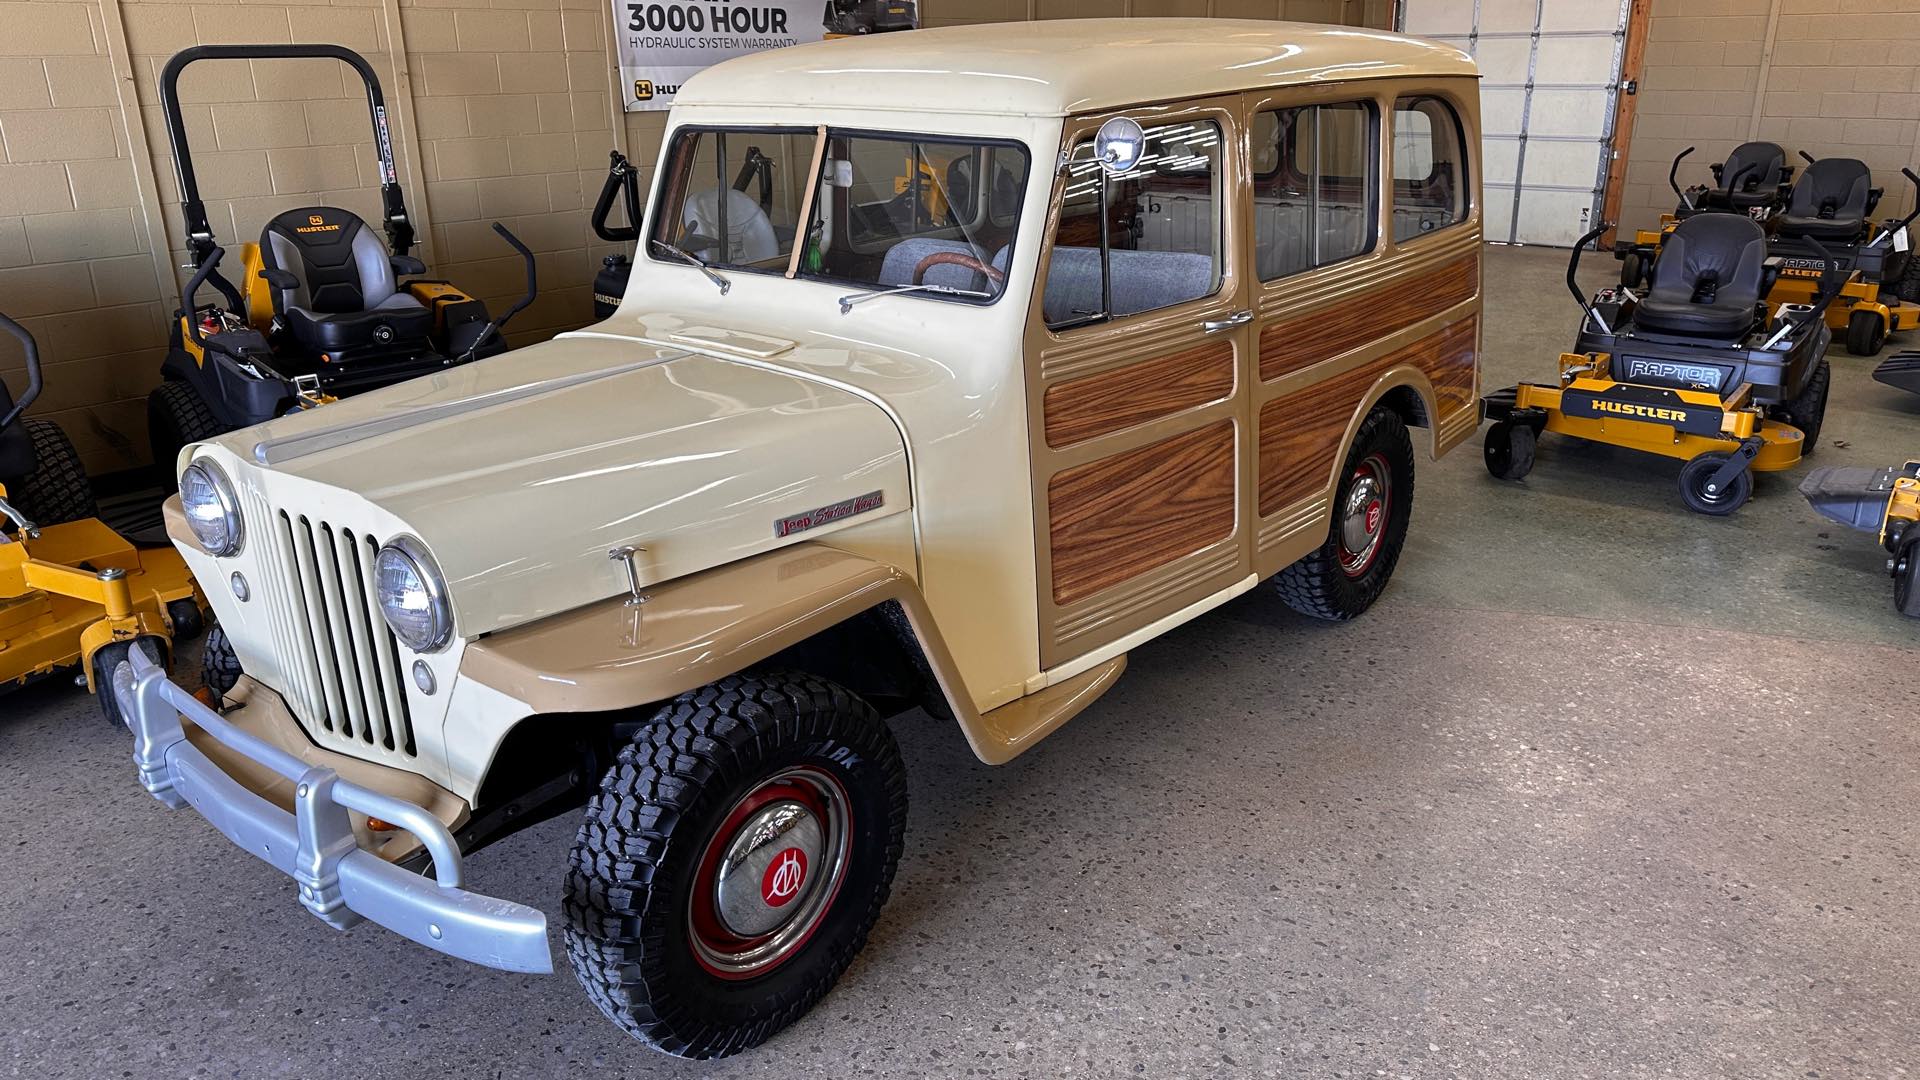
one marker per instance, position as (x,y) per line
(1136,359)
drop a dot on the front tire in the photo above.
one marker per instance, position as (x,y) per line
(1371,508)
(1906,579)
(1866,332)
(109,657)
(1694,477)
(733,861)
(1508,450)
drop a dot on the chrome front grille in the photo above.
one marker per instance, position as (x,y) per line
(340,662)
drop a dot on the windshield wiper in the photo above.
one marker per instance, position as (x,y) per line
(847,301)
(696,261)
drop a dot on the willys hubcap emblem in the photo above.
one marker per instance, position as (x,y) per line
(784,877)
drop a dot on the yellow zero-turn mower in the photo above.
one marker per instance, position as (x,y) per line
(72,591)
(320,311)
(1833,204)
(1694,369)
(1882,501)
(1752,181)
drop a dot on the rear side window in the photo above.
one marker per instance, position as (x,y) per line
(1315,186)
(1148,238)
(1429,167)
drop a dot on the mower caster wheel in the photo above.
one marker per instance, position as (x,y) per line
(1698,472)
(1866,332)
(1509,449)
(109,657)
(187,619)
(1906,579)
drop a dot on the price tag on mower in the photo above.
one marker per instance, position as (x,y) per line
(1900,242)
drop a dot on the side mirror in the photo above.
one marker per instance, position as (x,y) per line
(1119,145)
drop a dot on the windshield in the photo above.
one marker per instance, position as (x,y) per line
(886,211)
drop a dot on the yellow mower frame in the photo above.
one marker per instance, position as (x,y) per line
(68,590)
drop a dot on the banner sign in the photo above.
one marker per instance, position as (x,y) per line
(663,44)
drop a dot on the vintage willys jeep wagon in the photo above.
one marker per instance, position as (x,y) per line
(955,365)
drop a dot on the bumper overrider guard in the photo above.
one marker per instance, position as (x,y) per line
(339,881)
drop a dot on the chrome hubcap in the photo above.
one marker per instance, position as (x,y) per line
(769,874)
(1363,515)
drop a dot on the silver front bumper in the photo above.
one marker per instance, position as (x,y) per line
(339,881)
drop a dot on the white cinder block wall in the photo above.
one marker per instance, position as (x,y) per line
(1831,77)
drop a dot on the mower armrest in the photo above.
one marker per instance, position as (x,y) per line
(279,279)
(407,266)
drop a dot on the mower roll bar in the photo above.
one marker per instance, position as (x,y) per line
(1573,270)
(199,233)
(622,179)
(1673,181)
(494,327)
(33,371)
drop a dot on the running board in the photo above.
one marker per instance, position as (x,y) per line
(1006,732)
(1900,371)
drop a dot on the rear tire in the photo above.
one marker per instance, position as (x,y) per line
(1808,410)
(1694,476)
(661,944)
(57,492)
(1508,450)
(109,657)
(1908,287)
(1866,332)
(1337,581)
(1633,270)
(177,416)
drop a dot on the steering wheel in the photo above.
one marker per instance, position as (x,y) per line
(955,258)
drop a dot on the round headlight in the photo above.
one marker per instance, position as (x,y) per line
(412,595)
(212,510)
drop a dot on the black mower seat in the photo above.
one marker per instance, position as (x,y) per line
(344,290)
(1708,279)
(1750,178)
(1830,201)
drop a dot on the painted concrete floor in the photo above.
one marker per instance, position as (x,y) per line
(1600,789)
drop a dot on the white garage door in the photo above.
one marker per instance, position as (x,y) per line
(1549,72)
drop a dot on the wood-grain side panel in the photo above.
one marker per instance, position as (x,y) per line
(1082,409)
(1453,366)
(1300,433)
(1121,516)
(1288,345)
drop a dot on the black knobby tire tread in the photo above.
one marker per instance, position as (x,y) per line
(1908,287)
(219,666)
(704,740)
(1307,586)
(189,416)
(57,492)
(1906,583)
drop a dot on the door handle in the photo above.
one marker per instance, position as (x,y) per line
(1238,318)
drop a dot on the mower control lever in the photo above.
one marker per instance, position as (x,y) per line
(1673,178)
(494,327)
(622,179)
(1915,212)
(1573,270)
(33,371)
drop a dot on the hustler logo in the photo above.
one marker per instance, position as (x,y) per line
(316,223)
(1638,412)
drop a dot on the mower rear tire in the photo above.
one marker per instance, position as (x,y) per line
(1906,579)
(1694,476)
(1908,287)
(1371,508)
(177,416)
(57,492)
(1508,450)
(1808,410)
(1866,332)
(109,657)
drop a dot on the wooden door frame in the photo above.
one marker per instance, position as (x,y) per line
(1633,63)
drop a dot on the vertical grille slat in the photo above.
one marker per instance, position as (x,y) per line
(341,663)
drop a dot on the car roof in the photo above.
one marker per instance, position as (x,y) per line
(1066,66)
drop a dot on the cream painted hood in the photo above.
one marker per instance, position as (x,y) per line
(521,472)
